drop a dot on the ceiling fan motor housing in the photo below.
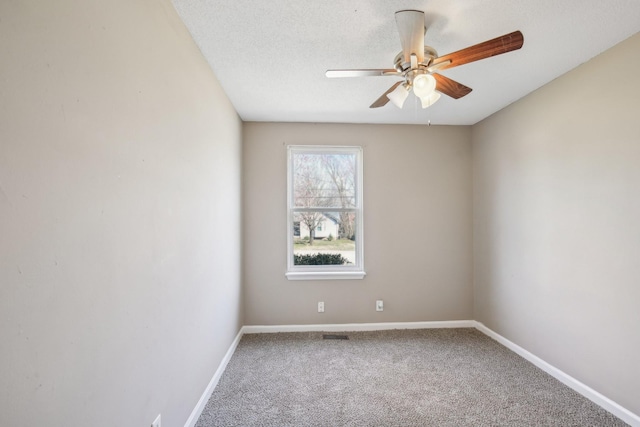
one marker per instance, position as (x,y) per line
(403,66)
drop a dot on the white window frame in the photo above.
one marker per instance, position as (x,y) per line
(326,272)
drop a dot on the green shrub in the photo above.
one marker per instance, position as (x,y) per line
(305,238)
(330,238)
(319,259)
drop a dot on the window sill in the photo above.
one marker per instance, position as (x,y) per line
(325,275)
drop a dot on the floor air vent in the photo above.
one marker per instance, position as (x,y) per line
(335,337)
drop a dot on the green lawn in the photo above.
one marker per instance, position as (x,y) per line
(334,245)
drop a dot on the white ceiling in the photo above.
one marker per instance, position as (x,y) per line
(271,56)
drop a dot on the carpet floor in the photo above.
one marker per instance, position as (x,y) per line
(426,377)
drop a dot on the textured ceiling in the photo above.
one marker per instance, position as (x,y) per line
(271,56)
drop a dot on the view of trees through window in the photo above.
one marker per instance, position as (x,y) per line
(324,206)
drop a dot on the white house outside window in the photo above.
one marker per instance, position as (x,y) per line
(324,219)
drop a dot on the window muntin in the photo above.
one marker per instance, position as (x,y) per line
(324,212)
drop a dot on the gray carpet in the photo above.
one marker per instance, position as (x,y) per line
(427,377)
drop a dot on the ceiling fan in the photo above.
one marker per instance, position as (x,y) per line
(417,64)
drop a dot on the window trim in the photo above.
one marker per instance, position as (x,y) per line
(326,272)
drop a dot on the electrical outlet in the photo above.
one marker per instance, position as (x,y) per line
(320,306)
(157,422)
(379,305)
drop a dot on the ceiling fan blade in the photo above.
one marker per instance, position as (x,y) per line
(411,28)
(497,46)
(362,73)
(451,87)
(382,101)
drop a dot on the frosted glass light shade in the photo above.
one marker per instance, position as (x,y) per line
(429,100)
(424,85)
(398,95)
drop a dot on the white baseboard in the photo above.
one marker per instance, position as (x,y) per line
(603,401)
(597,398)
(344,327)
(195,414)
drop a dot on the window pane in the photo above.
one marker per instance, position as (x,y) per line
(324,199)
(325,238)
(322,180)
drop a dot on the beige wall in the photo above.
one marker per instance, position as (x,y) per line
(119,215)
(556,234)
(417,220)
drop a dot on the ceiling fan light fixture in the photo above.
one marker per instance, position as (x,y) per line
(424,85)
(399,95)
(429,100)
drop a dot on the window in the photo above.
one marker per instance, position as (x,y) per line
(324,213)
